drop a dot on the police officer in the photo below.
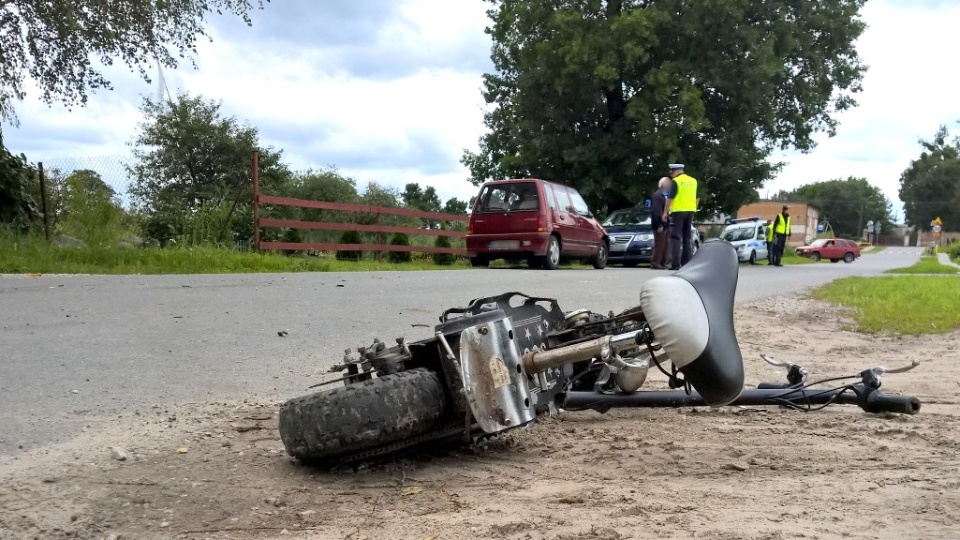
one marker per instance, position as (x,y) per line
(681,206)
(781,231)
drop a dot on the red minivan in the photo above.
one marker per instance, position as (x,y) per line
(534,220)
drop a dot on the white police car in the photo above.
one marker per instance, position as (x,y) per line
(748,235)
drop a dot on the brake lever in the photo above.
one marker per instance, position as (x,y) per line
(871,377)
(796,374)
(880,370)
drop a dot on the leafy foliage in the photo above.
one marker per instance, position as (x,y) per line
(930,187)
(443,259)
(847,204)
(350,237)
(90,210)
(602,95)
(192,168)
(399,239)
(60,44)
(18,208)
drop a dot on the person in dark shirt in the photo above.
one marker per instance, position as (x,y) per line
(661,228)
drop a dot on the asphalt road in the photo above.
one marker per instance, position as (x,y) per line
(78,350)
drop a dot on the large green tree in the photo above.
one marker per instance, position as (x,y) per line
(604,94)
(930,186)
(18,208)
(846,204)
(194,165)
(60,45)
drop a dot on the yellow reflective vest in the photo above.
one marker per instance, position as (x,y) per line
(781,225)
(770,233)
(686,196)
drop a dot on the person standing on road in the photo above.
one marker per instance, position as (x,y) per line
(781,231)
(659,225)
(769,236)
(680,208)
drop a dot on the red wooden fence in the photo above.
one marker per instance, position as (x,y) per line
(258,222)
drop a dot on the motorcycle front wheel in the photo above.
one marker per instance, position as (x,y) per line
(358,417)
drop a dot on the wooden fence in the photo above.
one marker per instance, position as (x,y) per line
(379,229)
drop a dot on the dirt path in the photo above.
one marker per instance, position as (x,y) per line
(219,471)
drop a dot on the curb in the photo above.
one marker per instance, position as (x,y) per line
(944,259)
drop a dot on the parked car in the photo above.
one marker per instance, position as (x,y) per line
(631,237)
(748,235)
(534,220)
(834,249)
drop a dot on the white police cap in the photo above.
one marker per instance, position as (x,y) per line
(676,166)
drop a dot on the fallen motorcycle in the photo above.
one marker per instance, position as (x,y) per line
(501,361)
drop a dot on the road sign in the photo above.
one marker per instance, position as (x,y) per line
(820,227)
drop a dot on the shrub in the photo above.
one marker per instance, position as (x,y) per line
(443,259)
(350,237)
(399,239)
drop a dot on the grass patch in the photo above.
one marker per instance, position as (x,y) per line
(790,257)
(912,305)
(874,249)
(31,255)
(927,265)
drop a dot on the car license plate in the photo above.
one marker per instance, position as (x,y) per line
(505,244)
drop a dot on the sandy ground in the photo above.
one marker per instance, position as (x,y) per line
(218,470)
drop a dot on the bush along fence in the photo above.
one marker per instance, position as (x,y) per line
(351,242)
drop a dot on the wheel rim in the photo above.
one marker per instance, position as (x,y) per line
(815,257)
(553,252)
(602,255)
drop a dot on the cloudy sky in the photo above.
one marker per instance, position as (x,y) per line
(388,91)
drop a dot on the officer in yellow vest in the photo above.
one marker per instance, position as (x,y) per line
(781,231)
(681,206)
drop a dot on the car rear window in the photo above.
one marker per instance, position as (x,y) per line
(514,196)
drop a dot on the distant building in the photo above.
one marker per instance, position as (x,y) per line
(804,217)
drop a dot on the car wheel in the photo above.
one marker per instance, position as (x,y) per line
(479,262)
(552,259)
(848,258)
(600,259)
(753,257)
(815,257)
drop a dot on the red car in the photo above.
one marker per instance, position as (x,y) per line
(534,220)
(835,249)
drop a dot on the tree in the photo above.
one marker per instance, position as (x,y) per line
(455,206)
(930,186)
(192,165)
(421,199)
(603,94)
(18,208)
(91,210)
(60,45)
(323,185)
(847,204)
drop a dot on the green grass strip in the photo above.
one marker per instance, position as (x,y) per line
(898,305)
(927,265)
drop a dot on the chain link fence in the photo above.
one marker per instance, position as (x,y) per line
(111,170)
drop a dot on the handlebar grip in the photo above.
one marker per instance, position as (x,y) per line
(877,402)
